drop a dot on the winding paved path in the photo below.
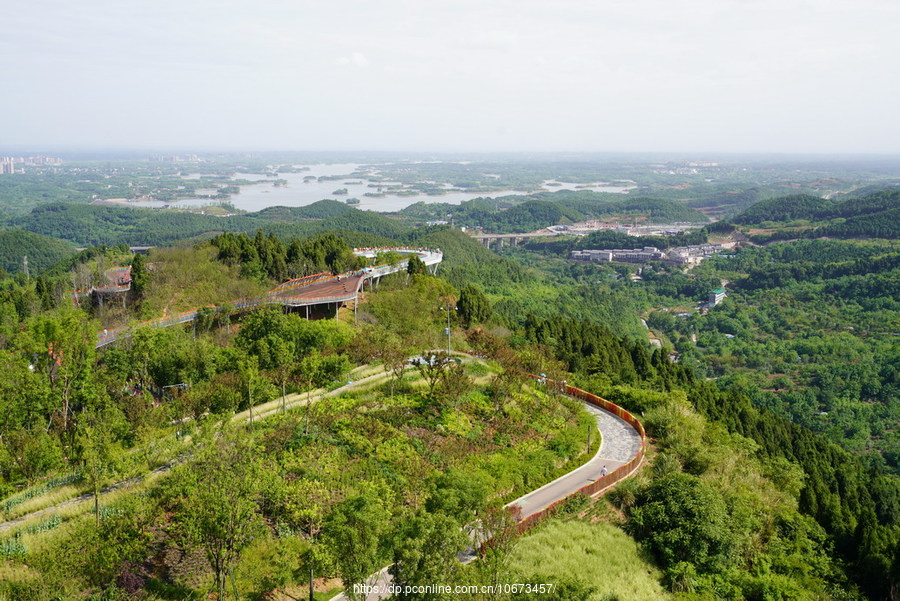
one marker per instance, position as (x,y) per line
(620,443)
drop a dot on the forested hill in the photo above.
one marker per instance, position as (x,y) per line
(322,209)
(509,214)
(876,207)
(87,225)
(42,252)
(784,208)
(467,261)
(90,225)
(530,215)
(654,210)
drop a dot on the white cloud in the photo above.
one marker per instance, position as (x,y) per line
(357,59)
(493,39)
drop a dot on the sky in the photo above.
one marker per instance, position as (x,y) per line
(783,76)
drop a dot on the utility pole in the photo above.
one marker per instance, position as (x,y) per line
(448,308)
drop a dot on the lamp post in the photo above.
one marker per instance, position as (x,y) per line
(448,308)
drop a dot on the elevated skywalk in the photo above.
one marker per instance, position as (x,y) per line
(317,289)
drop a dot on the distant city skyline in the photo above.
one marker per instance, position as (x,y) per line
(705,77)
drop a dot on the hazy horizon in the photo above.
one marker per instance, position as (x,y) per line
(732,77)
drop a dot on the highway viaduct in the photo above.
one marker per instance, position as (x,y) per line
(501,240)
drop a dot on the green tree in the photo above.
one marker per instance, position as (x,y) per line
(30,453)
(680,518)
(220,512)
(97,452)
(356,531)
(309,372)
(415,265)
(473,305)
(454,384)
(431,366)
(426,552)
(498,526)
(206,318)
(281,361)
(139,278)
(459,494)
(63,344)
(392,354)
(388,258)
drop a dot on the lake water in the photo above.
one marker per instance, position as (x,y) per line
(299,193)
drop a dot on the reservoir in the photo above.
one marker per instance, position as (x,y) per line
(303,188)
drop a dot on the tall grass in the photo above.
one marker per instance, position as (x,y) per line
(37,490)
(601,555)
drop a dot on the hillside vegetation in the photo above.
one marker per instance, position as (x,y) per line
(89,225)
(602,557)
(343,486)
(42,252)
(809,331)
(322,209)
(510,214)
(301,445)
(876,215)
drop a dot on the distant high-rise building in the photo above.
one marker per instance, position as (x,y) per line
(8,164)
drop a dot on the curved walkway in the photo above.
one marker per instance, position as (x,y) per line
(620,443)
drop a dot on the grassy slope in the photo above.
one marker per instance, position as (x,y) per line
(599,554)
(190,278)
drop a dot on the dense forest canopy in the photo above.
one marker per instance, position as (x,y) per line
(510,214)
(876,215)
(96,225)
(42,252)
